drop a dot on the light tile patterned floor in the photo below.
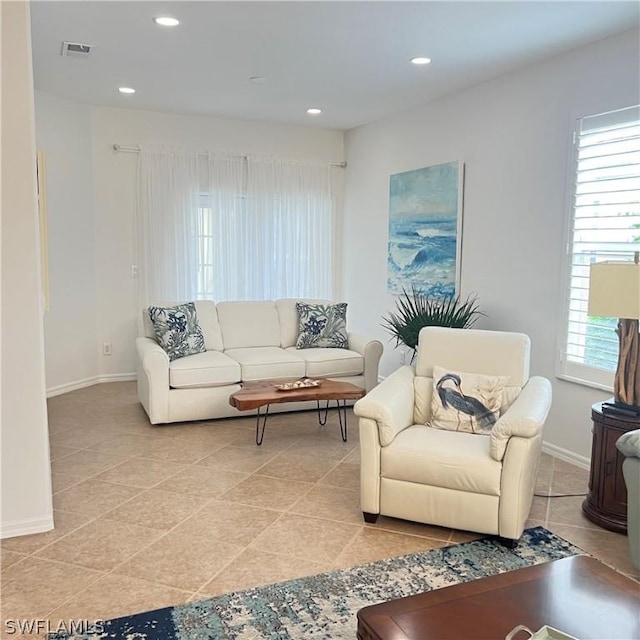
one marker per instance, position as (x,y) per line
(148,516)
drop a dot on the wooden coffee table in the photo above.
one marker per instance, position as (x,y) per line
(579,595)
(255,395)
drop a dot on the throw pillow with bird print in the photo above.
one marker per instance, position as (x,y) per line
(467,402)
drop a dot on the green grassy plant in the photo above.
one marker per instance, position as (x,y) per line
(416,310)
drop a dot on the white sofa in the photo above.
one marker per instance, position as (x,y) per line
(244,341)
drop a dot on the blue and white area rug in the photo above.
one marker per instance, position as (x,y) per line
(324,607)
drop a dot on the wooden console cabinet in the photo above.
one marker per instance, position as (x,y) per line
(606,502)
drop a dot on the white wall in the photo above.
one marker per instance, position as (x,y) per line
(104,219)
(63,132)
(24,449)
(514,134)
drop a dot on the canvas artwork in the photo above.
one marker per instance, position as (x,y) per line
(425,225)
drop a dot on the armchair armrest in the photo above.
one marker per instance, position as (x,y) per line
(524,418)
(628,444)
(390,404)
(371,350)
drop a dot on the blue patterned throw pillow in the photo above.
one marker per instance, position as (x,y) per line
(322,325)
(177,329)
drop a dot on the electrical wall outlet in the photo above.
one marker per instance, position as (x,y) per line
(134,270)
(106,348)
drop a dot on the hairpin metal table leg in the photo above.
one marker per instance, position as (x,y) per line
(260,427)
(322,419)
(342,417)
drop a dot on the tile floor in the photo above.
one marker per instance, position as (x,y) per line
(148,517)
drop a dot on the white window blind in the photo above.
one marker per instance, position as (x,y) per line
(605,225)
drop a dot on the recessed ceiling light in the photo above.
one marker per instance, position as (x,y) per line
(166,21)
(126,90)
(421,60)
(314,112)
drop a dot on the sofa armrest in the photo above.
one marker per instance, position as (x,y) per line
(628,444)
(153,379)
(524,418)
(371,350)
(390,404)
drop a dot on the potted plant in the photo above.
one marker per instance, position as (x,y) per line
(416,310)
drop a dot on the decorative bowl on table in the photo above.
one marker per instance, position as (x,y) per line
(303,383)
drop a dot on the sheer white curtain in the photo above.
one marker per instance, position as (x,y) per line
(272,236)
(289,238)
(168,252)
(232,228)
(222,228)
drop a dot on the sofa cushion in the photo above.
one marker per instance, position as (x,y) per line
(289,319)
(249,324)
(322,325)
(267,363)
(177,330)
(448,459)
(208,369)
(325,363)
(207,319)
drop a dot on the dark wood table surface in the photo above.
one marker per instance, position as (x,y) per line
(258,394)
(578,595)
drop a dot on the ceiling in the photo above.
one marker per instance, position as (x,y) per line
(351,59)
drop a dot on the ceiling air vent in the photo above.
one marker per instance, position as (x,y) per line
(76,49)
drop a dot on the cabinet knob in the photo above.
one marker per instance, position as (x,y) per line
(609,467)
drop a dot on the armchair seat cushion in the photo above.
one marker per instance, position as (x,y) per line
(448,459)
(208,369)
(323,362)
(267,363)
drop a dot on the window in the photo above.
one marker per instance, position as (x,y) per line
(206,250)
(271,239)
(605,225)
(229,227)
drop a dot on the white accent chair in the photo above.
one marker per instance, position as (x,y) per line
(459,480)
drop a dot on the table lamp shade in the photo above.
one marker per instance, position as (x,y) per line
(614,290)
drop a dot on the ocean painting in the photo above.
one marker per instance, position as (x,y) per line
(425,223)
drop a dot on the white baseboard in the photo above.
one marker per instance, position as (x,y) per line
(26,527)
(117,377)
(89,382)
(566,455)
(71,386)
